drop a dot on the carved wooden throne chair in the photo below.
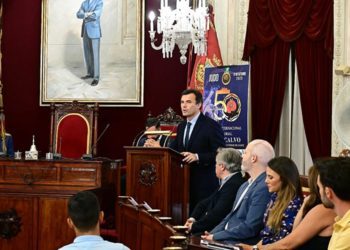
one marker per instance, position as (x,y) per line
(73,129)
(168,122)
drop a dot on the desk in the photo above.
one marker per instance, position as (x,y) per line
(38,191)
(140,230)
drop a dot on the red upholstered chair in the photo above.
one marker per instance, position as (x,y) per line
(73,129)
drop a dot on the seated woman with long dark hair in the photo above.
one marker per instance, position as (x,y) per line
(283,182)
(313,226)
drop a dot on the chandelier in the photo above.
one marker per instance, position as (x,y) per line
(181,26)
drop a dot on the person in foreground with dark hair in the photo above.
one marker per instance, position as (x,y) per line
(210,211)
(283,182)
(313,225)
(334,185)
(84,216)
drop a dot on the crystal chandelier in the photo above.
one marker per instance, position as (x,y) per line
(180,26)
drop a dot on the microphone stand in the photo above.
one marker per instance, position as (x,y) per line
(138,136)
(166,141)
(58,155)
(89,156)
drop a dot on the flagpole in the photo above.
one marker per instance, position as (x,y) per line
(2,117)
(190,55)
(189,66)
(1,101)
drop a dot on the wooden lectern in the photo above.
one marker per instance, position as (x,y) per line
(159,177)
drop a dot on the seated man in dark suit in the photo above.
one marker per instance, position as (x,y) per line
(6,141)
(210,211)
(148,140)
(245,221)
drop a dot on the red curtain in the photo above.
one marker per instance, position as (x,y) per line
(273,25)
(269,72)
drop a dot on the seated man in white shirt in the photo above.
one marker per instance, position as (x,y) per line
(85,217)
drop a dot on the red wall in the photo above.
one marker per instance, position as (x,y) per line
(164,81)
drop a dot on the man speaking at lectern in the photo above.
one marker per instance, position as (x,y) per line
(198,139)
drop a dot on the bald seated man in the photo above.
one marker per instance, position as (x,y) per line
(245,220)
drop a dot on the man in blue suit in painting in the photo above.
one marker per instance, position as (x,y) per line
(90,11)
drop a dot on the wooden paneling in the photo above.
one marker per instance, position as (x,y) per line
(46,172)
(127,225)
(39,192)
(157,176)
(52,226)
(141,230)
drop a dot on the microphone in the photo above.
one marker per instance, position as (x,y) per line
(89,156)
(138,137)
(167,139)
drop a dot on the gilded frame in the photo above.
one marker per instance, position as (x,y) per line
(121,52)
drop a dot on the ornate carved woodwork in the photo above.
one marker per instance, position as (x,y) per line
(10,224)
(90,114)
(169,117)
(147,174)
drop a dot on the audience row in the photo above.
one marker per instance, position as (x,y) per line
(268,211)
(265,211)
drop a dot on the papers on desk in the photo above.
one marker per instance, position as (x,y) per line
(132,201)
(146,206)
(219,246)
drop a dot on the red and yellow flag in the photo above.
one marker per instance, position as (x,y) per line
(212,59)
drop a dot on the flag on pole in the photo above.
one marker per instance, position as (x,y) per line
(3,133)
(212,59)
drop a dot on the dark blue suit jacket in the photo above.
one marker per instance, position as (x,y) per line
(210,211)
(246,222)
(91,23)
(207,136)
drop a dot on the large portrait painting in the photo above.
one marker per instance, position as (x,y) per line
(91,51)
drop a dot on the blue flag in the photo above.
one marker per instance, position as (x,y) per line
(226,101)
